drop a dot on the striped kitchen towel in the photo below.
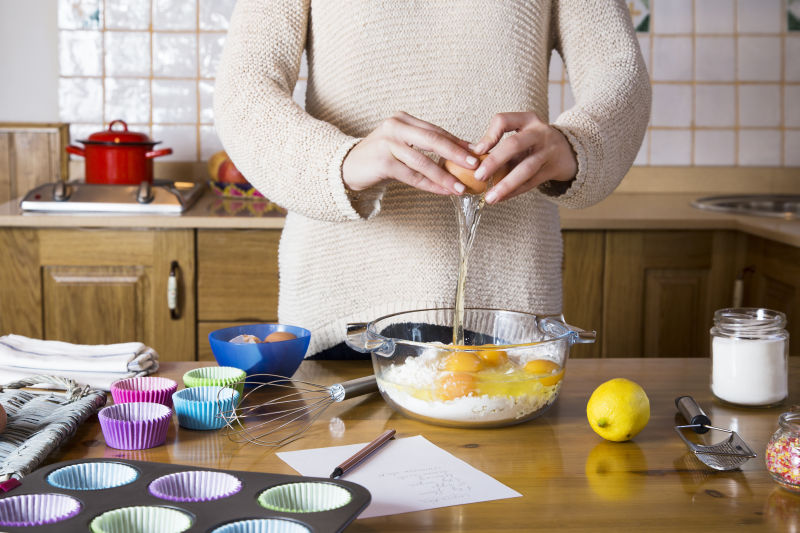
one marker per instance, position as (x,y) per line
(95,365)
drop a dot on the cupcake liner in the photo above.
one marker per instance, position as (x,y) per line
(37,509)
(152,519)
(216,376)
(195,486)
(93,476)
(144,389)
(306,497)
(263,525)
(199,407)
(135,425)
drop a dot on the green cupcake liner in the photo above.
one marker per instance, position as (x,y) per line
(306,497)
(216,376)
(152,519)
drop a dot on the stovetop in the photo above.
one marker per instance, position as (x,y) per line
(160,197)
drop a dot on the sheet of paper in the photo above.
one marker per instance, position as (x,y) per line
(405,475)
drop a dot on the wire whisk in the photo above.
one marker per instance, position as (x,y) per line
(267,417)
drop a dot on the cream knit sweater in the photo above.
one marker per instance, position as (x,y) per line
(453,63)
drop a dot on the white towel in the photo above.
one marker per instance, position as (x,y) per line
(95,365)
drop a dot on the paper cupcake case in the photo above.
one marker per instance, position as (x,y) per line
(117,494)
(150,389)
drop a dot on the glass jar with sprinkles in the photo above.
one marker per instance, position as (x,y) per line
(783,451)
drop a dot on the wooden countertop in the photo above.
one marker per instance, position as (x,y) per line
(570,479)
(620,211)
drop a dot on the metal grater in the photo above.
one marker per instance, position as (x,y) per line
(725,455)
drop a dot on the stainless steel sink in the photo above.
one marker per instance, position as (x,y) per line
(786,206)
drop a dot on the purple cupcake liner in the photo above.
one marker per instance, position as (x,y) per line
(144,389)
(37,509)
(195,486)
(135,425)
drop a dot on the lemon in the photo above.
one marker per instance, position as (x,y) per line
(618,409)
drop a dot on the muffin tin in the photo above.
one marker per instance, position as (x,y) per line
(104,494)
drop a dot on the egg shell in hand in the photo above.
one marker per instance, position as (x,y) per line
(467,176)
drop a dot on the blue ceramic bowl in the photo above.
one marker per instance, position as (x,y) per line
(281,358)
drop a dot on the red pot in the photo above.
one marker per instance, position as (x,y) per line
(119,157)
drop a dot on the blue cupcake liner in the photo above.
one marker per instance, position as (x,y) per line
(93,476)
(263,525)
(201,407)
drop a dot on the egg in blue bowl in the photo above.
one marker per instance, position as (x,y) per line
(261,348)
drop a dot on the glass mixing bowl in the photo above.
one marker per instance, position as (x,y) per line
(509,370)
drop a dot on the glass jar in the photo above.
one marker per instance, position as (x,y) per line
(783,451)
(749,356)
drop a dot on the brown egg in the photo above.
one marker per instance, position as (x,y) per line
(3,419)
(467,176)
(278,336)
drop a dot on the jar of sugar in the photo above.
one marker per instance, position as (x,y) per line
(749,356)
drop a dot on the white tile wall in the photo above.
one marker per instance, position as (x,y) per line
(760,105)
(714,16)
(673,16)
(715,59)
(672,59)
(759,147)
(791,108)
(715,105)
(759,58)
(715,147)
(760,16)
(726,76)
(670,147)
(672,105)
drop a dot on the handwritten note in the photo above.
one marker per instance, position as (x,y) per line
(406,475)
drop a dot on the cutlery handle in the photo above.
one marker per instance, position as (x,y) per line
(692,413)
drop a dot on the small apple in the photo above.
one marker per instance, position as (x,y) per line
(229,173)
(214,163)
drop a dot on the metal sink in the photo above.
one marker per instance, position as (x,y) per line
(785,206)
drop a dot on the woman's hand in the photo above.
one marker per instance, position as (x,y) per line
(536,153)
(388,154)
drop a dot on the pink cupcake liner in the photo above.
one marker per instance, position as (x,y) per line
(144,389)
(195,486)
(37,509)
(135,425)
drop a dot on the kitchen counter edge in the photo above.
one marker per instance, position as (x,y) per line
(620,211)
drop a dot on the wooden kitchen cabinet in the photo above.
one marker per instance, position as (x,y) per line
(648,293)
(772,280)
(237,280)
(584,258)
(99,286)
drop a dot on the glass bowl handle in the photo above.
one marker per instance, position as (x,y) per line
(556,325)
(359,339)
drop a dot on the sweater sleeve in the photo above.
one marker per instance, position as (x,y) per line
(612,96)
(292,158)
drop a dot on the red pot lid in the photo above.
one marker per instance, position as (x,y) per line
(118,133)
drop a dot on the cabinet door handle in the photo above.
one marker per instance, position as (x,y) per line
(172,291)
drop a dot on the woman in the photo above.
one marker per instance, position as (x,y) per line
(393,87)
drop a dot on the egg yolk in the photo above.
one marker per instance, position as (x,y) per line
(493,357)
(456,385)
(551,373)
(462,362)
